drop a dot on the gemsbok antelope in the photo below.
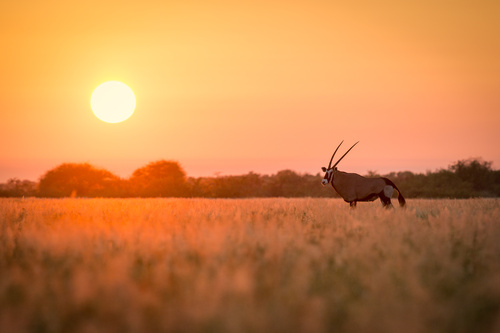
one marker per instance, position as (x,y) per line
(353,187)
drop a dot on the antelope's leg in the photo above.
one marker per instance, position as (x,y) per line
(386,201)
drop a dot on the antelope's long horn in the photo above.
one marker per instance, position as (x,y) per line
(331,159)
(345,154)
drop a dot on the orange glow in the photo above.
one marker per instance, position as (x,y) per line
(238,86)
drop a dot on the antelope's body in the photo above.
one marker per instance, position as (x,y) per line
(353,187)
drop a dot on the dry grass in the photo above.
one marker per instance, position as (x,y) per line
(263,265)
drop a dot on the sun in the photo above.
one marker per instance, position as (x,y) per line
(113,102)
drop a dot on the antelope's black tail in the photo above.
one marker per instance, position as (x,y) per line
(401,199)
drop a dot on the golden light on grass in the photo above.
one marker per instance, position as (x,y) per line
(113,102)
(253,265)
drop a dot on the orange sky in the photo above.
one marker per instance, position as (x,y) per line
(239,86)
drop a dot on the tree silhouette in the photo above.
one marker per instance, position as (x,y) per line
(79,179)
(475,171)
(159,179)
(18,188)
(463,179)
(287,183)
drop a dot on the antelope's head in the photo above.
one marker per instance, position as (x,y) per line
(328,175)
(330,170)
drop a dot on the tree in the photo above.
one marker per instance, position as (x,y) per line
(287,183)
(79,179)
(474,171)
(159,179)
(18,188)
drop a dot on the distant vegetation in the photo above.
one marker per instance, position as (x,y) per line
(463,179)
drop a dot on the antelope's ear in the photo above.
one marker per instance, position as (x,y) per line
(335,168)
(324,169)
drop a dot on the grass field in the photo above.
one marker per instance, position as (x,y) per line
(254,265)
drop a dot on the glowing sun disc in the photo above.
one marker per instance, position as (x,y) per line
(113,102)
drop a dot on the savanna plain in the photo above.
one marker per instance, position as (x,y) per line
(249,265)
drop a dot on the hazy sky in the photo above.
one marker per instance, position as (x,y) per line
(239,86)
